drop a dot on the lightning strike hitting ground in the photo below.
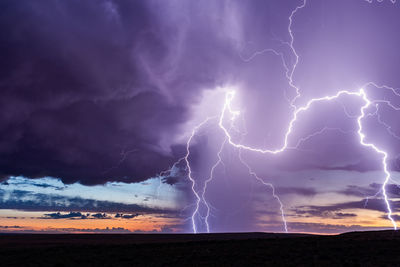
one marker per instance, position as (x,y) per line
(252,173)
(198,198)
(228,110)
(383,153)
(208,180)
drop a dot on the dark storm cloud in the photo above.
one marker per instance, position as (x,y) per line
(95,91)
(25,200)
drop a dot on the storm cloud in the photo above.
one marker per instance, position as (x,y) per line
(96,91)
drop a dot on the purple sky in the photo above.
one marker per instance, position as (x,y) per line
(101,92)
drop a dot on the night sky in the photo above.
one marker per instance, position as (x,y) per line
(195,116)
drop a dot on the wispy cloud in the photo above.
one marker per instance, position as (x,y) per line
(25,200)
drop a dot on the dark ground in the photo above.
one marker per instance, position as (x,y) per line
(380,248)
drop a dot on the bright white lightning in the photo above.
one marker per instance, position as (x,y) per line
(186,158)
(291,42)
(219,161)
(361,93)
(289,71)
(383,153)
(227,108)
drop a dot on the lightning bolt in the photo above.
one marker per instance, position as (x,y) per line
(219,161)
(227,107)
(379,151)
(294,52)
(297,111)
(254,174)
(361,94)
(190,175)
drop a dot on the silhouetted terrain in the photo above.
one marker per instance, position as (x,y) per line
(380,248)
